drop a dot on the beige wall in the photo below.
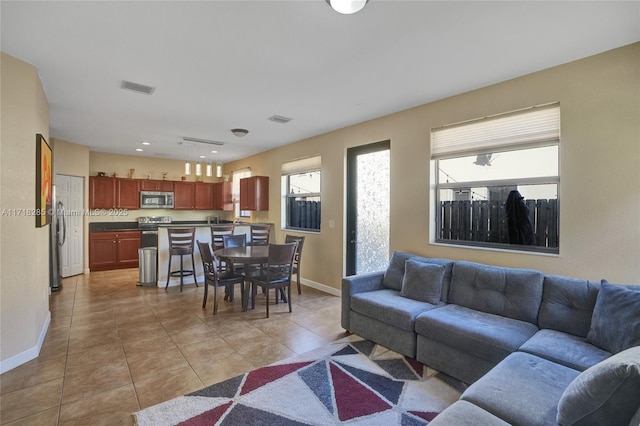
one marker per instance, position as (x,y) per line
(599,171)
(24,249)
(72,159)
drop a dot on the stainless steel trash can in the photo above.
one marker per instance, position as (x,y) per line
(148,266)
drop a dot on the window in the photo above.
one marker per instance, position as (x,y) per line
(235,189)
(496,181)
(301,181)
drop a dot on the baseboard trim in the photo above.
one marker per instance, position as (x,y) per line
(29,354)
(322,287)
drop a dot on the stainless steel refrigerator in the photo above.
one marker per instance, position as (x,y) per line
(57,238)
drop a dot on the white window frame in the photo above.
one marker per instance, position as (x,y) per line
(235,190)
(529,128)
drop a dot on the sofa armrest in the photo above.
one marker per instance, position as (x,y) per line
(358,284)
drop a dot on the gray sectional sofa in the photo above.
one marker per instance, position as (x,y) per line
(536,349)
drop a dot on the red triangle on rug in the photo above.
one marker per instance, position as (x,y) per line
(264,375)
(426,415)
(208,417)
(353,399)
(417,366)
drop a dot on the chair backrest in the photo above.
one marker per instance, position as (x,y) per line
(260,235)
(229,241)
(208,260)
(217,234)
(280,262)
(181,238)
(296,239)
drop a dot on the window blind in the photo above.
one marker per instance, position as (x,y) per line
(530,128)
(302,165)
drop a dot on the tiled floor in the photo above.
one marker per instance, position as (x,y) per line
(114,348)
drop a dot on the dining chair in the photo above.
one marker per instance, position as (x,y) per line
(260,234)
(230,241)
(297,259)
(181,244)
(216,279)
(217,234)
(276,274)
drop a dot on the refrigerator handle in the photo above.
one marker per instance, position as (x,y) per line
(64,222)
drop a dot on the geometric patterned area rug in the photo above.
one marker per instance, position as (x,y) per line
(351,381)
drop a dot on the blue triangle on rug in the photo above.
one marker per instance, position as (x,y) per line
(227,389)
(318,380)
(347,350)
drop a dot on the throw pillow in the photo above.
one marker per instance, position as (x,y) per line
(615,324)
(422,281)
(607,393)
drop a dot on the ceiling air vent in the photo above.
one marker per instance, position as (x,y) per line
(279,119)
(140,88)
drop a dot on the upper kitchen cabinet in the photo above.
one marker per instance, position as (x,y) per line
(156,185)
(127,193)
(111,193)
(203,196)
(184,195)
(222,196)
(254,193)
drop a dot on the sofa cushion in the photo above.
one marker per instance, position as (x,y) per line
(508,292)
(567,304)
(487,336)
(395,271)
(607,393)
(615,325)
(465,413)
(389,307)
(522,390)
(565,349)
(422,281)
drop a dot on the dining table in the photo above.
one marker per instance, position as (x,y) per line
(248,256)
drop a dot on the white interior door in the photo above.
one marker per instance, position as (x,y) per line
(70,190)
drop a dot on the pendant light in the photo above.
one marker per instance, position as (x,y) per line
(198,168)
(187,168)
(218,170)
(347,7)
(209,169)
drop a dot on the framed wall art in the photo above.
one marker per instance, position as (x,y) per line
(44,195)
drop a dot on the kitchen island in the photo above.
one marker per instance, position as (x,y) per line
(203,234)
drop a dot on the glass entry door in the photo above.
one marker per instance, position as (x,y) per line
(368,182)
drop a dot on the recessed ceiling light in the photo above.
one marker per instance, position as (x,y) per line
(214,152)
(146,143)
(203,156)
(139,149)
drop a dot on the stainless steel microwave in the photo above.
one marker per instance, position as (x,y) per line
(156,200)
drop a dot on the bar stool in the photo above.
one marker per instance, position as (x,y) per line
(181,242)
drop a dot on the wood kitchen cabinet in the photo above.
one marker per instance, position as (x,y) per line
(222,196)
(113,250)
(203,196)
(127,194)
(184,195)
(111,193)
(156,185)
(254,193)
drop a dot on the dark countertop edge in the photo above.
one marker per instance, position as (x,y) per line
(113,226)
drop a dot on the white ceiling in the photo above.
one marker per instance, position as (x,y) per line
(217,65)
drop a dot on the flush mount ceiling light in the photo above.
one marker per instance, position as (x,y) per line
(239,132)
(347,7)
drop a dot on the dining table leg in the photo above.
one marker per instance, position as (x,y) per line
(247,286)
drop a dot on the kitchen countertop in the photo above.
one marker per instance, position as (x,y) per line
(113,226)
